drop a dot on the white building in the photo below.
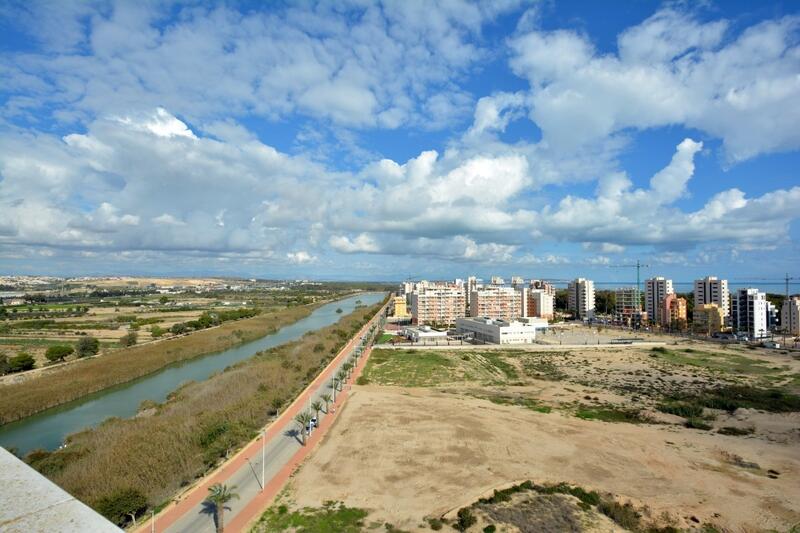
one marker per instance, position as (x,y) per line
(494,331)
(497,280)
(423,333)
(749,312)
(790,316)
(580,298)
(711,290)
(655,290)
(539,304)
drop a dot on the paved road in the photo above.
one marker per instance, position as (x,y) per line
(283,445)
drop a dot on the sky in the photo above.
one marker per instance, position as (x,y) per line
(408,139)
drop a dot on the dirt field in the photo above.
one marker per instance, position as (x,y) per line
(590,418)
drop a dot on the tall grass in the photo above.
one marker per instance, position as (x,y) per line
(73,381)
(199,425)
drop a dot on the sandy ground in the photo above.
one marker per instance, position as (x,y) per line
(408,454)
(412,453)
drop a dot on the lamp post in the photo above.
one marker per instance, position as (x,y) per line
(263,453)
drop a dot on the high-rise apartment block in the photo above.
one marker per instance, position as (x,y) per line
(440,305)
(497,302)
(711,290)
(580,298)
(790,316)
(539,304)
(749,312)
(655,290)
(538,284)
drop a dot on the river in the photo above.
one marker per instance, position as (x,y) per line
(49,428)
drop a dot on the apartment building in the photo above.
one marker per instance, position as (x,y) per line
(539,304)
(497,302)
(580,298)
(749,312)
(537,284)
(439,305)
(655,290)
(673,311)
(790,316)
(627,301)
(708,319)
(711,290)
(400,307)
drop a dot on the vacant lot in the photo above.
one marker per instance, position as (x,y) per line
(681,436)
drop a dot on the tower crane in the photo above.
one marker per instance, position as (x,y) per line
(638,266)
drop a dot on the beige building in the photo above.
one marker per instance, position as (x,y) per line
(655,291)
(400,307)
(711,290)
(790,316)
(496,302)
(438,305)
(672,312)
(708,319)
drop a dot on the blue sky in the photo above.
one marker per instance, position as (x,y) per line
(370,140)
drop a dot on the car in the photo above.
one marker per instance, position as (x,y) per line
(314,422)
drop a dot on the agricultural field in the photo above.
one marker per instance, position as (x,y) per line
(688,436)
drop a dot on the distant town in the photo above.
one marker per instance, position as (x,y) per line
(511,312)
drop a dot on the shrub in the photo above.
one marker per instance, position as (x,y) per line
(5,367)
(465,519)
(684,409)
(128,340)
(625,515)
(87,346)
(362,380)
(730,430)
(435,523)
(319,347)
(179,328)
(697,423)
(121,505)
(491,528)
(21,362)
(59,352)
(157,331)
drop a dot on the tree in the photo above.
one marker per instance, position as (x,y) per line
(122,504)
(341,375)
(87,346)
(21,362)
(129,339)
(157,331)
(316,405)
(218,496)
(179,328)
(302,420)
(59,352)
(327,399)
(163,300)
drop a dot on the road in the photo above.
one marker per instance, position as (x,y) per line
(282,453)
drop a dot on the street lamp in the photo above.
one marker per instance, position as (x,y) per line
(263,452)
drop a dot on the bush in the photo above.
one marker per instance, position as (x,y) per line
(491,528)
(5,368)
(21,362)
(87,346)
(157,331)
(684,409)
(465,519)
(179,328)
(128,340)
(730,430)
(697,423)
(119,506)
(435,523)
(59,352)
(624,515)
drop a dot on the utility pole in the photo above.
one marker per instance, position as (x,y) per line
(263,453)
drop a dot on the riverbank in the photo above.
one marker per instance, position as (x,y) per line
(71,382)
(169,445)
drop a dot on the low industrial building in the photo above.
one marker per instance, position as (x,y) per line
(423,333)
(496,331)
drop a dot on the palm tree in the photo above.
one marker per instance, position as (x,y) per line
(341,375)
(316,405)
(302,420)
(218,496)
(348,367)
(327,399)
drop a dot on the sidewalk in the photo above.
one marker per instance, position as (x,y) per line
(194,496)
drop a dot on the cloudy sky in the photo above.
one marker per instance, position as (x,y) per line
(364,140)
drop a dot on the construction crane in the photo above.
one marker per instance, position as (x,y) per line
(638,266)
